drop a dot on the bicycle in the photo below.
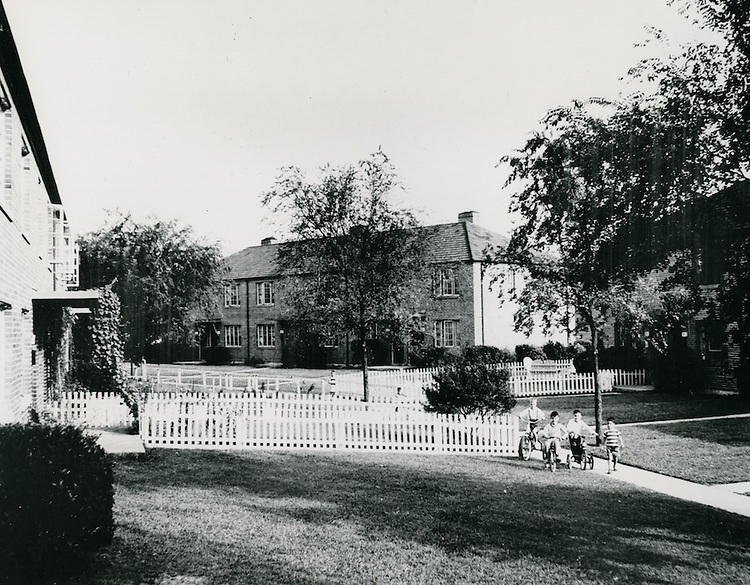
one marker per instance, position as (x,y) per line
(550,457)
(526,445)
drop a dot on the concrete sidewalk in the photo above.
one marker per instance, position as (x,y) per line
(724,497)
(118,442)
(716,496)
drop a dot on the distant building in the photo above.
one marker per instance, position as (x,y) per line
(38,256)
(720,222)
(458,309)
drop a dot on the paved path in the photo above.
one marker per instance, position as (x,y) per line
(114,442)
(682,420)
(723,497)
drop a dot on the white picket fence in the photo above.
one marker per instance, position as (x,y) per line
(544,379)
(215,381)
(243,421)
(91,409)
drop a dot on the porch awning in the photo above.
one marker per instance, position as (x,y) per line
(73,299)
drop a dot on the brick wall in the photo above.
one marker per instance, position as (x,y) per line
(23,274)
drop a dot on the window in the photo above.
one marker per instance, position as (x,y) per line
(445,283)
(266,335)
(264,293)
(715,335)
(330,339)
(232,336)
(232,294)
(445,333)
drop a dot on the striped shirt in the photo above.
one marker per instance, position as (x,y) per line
(612,437)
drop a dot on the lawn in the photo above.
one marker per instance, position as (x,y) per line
(368,517)
(707,452)
(642,406)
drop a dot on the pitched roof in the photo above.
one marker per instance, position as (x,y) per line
(450,242)
(10,63)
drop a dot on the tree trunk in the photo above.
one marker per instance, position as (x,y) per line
(365,381)
(597,387)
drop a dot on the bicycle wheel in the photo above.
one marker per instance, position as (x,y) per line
(552,455)
(524,448)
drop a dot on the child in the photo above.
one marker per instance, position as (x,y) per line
(532,416)
(613,443)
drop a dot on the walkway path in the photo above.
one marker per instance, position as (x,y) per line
(682,420)
(724,497)
(727,497)
(114,442)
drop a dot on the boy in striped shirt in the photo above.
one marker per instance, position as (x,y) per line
(613,443)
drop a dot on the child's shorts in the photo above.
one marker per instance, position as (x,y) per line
(613,450)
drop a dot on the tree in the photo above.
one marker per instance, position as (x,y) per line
(595,188)
(162,275)
(353,257)
(730,19)
(474,383)
(708,82)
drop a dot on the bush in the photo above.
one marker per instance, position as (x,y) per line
(56,500)
(217,355)
(526,350)
(554,350)
(470,387)
(679,371)
(487,354)
(430,356)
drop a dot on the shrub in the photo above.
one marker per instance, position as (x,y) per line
(430,356)
(526,350)
(470,387)
(56,500)
(134,393)
(217,355)
(487,354)
(554,350)
(680,370)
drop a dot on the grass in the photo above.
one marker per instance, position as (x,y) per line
(629,407)
(707,452)
(368,517)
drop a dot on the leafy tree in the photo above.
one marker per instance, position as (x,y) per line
(474,383)
(731,92)
(707,85)
(360,256)
(595,188)
(162,275)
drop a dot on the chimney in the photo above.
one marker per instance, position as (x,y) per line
(468,216)
(268,241)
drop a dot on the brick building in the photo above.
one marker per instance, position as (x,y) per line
(458,307)
(720,222)
(38,257)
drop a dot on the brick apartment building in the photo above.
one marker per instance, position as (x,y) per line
(720,222)
(38,256)
(458,308)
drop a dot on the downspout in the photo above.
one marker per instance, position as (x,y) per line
(481,296)
(247,321)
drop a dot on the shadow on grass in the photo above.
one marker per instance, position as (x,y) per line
(494,508)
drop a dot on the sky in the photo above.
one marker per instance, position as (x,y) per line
(186,110)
